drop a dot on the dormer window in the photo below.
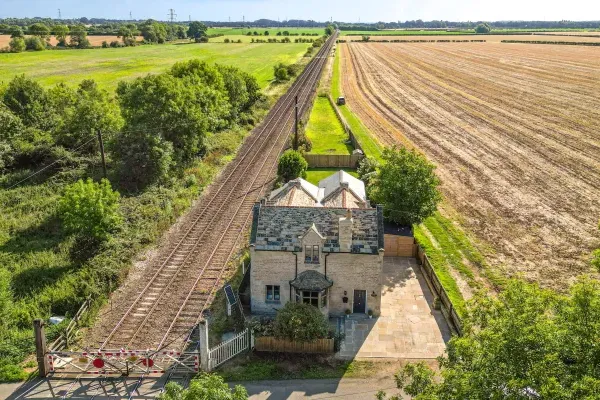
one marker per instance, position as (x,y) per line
(311,254)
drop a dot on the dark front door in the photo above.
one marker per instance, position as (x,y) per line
(360,302)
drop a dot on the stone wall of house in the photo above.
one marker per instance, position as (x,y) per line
(348,272)
(354,271)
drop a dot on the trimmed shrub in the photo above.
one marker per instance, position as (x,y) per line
(300,323)
(291,165)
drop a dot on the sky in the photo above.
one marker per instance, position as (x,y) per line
(320,10)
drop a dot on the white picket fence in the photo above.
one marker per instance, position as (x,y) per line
(231,348)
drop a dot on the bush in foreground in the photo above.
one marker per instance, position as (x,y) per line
(90,209)
(205,387)
(406,185)
(300,322)
(527,343)
(291,165)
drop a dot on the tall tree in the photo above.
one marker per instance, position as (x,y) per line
(28,100)
(79,37)
(196,30)
(61,32)
(40,30)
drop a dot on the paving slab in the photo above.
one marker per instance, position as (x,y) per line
(408,327)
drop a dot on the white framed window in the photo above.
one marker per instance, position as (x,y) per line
(311,254)
(273,294)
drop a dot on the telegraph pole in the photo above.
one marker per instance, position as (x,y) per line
(172,15)
(102,153)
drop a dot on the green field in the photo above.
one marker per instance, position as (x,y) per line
(325,130)
(109,66)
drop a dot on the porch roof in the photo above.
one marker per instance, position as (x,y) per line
(311,280)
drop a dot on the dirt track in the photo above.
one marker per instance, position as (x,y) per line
(514,130)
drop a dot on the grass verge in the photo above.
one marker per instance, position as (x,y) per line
(325,130)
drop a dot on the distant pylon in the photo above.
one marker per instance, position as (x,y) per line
(59,14)
(172,15)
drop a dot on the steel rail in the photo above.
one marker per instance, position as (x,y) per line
(312,79)
(284,102)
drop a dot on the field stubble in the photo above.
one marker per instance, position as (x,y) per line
(514,131)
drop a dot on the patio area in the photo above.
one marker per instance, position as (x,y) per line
(408,327)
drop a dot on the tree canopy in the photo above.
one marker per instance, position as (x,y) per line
(406,185)
(204,387)
(291,165)
(196,30)
(483,28)
(526,343)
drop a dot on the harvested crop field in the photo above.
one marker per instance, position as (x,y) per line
(514,131)
(488,38)
(94,40)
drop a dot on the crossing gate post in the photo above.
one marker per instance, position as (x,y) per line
(40,348)
(203,345)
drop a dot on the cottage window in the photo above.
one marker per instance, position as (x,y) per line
(311,254)
(273,293)
(311,298)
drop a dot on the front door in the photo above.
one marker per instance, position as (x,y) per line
(360,302)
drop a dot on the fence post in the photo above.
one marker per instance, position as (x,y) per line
(203,345)
(40,348)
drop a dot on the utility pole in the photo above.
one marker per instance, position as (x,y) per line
(172,15)
(296,124)
(102,153)
(59,14)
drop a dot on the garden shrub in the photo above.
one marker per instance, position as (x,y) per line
(300,323)
(291,165)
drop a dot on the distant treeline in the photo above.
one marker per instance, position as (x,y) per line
(103,26)
(553,42)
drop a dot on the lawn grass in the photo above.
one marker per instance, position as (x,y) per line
(368,142)
(274,366)
(325,130)
(109,66)
(315,175)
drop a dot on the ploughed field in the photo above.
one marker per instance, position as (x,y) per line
(514,130)
(557,37)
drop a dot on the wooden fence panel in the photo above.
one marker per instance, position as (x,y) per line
(273,344)
(333,160)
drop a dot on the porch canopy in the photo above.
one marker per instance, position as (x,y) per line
(311,280)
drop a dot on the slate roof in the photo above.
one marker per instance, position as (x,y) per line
(311,280)
(278,228)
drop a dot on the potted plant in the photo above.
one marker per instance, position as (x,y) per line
(348,312)
(370,312)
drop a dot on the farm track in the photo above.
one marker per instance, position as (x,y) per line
(167,299)
(515,133)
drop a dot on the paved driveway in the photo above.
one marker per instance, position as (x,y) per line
(408,328)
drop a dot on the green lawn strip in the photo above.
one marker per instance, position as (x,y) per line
(274,366)
(441,268)
(325,130)
(368,142)
(315,175)
(109,66)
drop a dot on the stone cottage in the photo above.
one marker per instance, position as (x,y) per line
(321,245)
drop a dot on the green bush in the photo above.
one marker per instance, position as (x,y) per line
(90,209)
(483,28)
(406,185)
(35,43)
(17,45)
(204,387)
(281,73)
(291,165)
(300,323)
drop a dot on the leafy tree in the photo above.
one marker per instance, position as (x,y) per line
(4,29)
(300,322)
(204,387)
(196,30)
(329,30)
(40,30)
(28,100)
(281,73)
(90,209)
(181,32)
(79,37)
(291,165)
(92,111)
(367,170)
(35,43)
(17,45)
(61,32)
(11,126)
(266,33)
(16,32)
(406,186)
(153,31)
(143,158)
(526,343)
(366,38)
(483,28)
(126,36)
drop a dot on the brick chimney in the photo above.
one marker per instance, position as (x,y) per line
(345,232)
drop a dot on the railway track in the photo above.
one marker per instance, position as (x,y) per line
(182,280)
